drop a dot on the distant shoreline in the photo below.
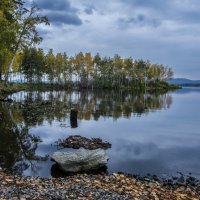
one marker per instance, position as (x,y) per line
(188,85)
(161,87)
(184,82)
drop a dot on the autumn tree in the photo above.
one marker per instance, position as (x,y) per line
(86,71)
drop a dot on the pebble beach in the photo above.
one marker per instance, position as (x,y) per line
(85,186)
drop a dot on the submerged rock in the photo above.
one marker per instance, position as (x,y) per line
(80,160)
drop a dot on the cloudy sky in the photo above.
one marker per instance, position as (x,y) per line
(162,31)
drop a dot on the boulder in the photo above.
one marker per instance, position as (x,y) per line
(81,160)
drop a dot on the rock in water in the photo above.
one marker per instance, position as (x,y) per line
(77,141)
(80,160)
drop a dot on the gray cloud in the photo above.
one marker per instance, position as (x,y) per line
(59,12)
(154,4)
(89,9)
(59,18)
(164,32)
(190,16)
(140,20)
(54,5)
(176,10)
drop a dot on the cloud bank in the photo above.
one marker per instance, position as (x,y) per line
(164,32)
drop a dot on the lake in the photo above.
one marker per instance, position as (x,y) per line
(150,133)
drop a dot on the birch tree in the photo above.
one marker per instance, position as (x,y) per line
(27,20)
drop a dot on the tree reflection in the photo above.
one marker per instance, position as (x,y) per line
(17,146)
(38,107)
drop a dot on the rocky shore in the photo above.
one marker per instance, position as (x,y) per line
(84,186)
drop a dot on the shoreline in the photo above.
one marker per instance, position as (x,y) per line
(17,87)
(85,186)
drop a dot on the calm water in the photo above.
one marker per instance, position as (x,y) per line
(156,134)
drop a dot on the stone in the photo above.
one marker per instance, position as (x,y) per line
(81,160)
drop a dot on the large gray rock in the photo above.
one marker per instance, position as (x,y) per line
(80,160)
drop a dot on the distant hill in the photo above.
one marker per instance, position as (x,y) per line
(184,82)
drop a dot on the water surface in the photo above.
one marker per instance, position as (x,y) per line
(150,133)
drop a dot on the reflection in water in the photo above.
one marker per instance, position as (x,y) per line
(40,106)
(18,147)
(57,173)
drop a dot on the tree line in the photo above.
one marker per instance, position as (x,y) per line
(87,71)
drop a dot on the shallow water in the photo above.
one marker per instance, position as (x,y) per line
(156,134)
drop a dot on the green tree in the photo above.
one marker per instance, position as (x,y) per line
(7,31)
(50,65)
(29,64)
(25,31)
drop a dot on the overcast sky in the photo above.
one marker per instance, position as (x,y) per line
(162,31)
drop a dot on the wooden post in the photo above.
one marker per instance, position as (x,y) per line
(73,118)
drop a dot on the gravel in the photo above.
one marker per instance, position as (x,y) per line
(84,186)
